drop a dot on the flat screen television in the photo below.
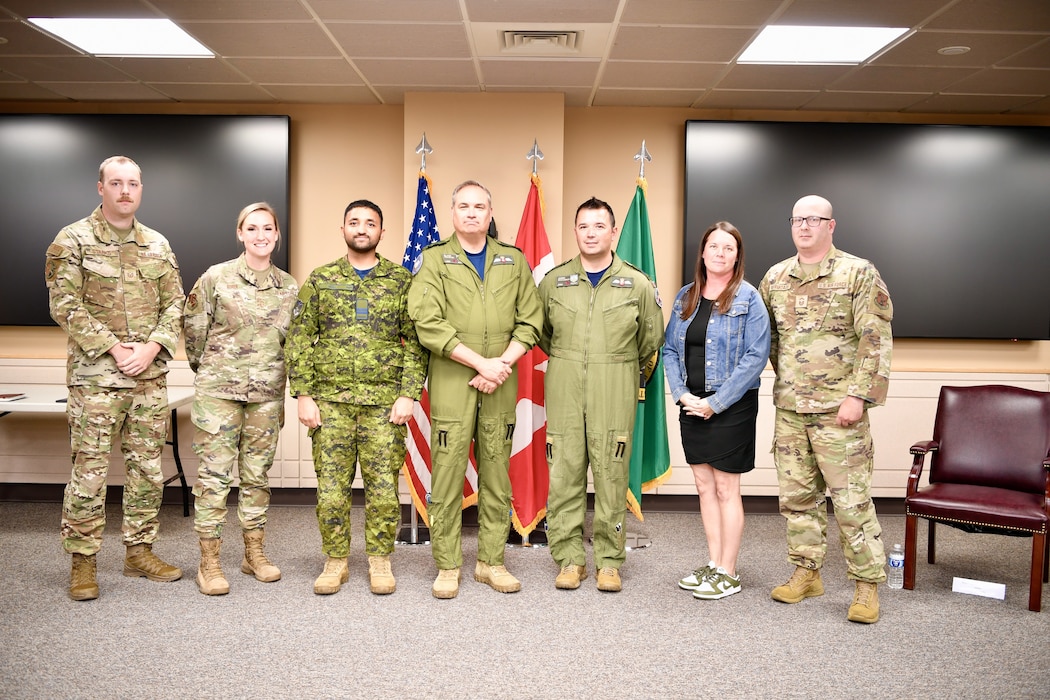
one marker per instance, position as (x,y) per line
(198,171)
(955,218)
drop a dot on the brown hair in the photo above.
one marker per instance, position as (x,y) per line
(725,299)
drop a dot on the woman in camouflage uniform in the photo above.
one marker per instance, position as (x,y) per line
(235,322)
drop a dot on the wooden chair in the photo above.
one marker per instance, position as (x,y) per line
(989,472)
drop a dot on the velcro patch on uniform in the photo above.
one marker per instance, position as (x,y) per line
(656,291)
(156,254)
(502,260)
(882,299)
(191,301)
(622,282)
(451,259)
(780,286)
(832,285)
(299,305)
(572,280)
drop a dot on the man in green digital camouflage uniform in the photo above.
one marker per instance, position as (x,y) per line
(602,322)
(830,318)
(356,366)
(114,288)
(475,306)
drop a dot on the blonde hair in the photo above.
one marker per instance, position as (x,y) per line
(261,206)
(122,160)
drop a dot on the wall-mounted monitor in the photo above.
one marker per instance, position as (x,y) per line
(197,174)
(956,218)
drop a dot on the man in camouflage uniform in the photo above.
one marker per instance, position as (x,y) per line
(602,323)
(356,366)
(476,309)
(235,322)
(830,319)
(114,287)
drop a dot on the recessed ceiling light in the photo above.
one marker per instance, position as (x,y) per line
(953,50)
(125,37)
(818,45)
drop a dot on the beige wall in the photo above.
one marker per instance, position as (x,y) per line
(344,152)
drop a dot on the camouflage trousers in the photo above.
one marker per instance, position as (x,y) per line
(348,435)
(229,434)
(813,455)
(97,417)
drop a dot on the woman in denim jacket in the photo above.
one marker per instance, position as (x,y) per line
(716,346)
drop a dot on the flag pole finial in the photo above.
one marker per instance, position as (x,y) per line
(423,149)
(535,155)
(642,157)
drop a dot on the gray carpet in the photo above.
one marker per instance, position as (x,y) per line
(155,640)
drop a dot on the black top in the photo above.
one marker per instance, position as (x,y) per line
(696,349)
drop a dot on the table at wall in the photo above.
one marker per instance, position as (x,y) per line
(51,398)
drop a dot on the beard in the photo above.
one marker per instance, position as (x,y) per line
(361,245)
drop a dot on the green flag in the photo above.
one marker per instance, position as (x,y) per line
(650,456)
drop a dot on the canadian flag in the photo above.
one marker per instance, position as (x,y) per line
(529,478)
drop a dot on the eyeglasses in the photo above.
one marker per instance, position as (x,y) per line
(813,221)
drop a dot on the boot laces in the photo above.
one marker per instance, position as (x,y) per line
(84,573)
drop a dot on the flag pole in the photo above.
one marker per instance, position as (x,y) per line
(413,534)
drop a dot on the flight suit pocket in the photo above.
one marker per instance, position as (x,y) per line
(621,325)
(101,279)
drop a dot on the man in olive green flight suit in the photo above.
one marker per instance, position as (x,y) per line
(602,322)
(476,309)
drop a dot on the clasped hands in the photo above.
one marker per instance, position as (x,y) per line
(695,406)
(492,372)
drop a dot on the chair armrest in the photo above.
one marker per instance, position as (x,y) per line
(919,450)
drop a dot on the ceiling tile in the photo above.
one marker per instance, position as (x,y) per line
(131,9)
(553,74)
(106,92)
(262,39)
(574,97)
(262,10)
(327,71)
(1035,57)
(883,13)
(23,40)
(27,91)
(863,101)
(445,72)
(921,49)
(1038,107)
(679,43)
(893,79)
(386,11)
(213,93)
(764,77)
(1004,81)
(742,13)
(549,11)
(974,104)
(395,95)
(995,15)
(402,40)
(166,70)
(645,98)
(72,68)
(753,99)
(322,94)
(682,76)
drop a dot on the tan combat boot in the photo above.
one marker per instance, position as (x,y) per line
(141,561)
(210,579)
(609,580)
(255,561)
(865,606)
(570,576)
(380,578)
(446,585)
(82,582)
(333,577)
(804,583)
(496,576)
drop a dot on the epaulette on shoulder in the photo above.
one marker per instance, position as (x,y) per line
(560,265)
(637,269)
(508,245)
(438,244)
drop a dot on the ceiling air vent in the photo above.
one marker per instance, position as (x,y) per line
(540,42)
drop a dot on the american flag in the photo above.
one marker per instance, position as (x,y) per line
(417,457)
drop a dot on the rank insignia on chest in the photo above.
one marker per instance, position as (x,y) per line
(801,301)
(451,259)
(572,280)
(621,282)
(361,310)
(502,260)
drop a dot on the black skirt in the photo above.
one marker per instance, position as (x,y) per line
(726,440)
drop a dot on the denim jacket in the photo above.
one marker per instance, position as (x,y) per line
(736,351)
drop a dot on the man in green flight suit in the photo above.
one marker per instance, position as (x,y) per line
(476,309)
(602,323)
(356,367)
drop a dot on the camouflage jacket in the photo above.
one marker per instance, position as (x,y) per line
(831,334)
(235,331)
(451,304)
(103,292)
(351,339)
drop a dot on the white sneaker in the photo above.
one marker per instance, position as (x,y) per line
(693,580)
(718,585)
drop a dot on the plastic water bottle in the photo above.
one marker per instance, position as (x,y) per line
(895,573)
